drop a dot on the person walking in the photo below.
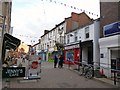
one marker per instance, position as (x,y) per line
(61,59)
(55,61)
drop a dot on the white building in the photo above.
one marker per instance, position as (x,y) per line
(110,48)
(50,38)
(89,36)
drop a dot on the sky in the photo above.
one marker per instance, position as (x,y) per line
(29,18)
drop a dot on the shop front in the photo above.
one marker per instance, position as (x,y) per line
(9,43)
(51,55)
(42,55)
(72,54)
(109,54)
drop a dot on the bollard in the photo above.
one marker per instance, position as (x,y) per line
(114,77)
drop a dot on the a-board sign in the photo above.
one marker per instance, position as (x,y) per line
(12,72)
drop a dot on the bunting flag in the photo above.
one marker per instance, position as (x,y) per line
(27,36)
(72,7)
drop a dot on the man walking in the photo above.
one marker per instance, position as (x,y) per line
(61,59)
(55,61)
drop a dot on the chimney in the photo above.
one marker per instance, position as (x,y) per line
(46,31)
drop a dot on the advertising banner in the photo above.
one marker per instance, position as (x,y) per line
(34,69)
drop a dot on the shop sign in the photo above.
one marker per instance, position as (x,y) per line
(71,47)
(11,72)
(112,29)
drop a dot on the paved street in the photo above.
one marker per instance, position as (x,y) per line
(59,78)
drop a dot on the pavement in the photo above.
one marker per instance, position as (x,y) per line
(57,78)
(102,79)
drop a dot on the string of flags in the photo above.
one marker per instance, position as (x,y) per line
(27,36)
(72,7)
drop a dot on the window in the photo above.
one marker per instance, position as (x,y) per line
(41,47)
(87,32)
(70,55)
(75,36)
(64,39)
(74,25)
(45,45)
(68,39)
(50,44)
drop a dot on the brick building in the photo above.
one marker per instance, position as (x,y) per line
(110,35)
(110,12)
(76,20)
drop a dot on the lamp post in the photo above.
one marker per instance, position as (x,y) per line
(2,36)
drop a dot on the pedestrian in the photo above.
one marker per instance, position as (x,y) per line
(61,59)
(55,61)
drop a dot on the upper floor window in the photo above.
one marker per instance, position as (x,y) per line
(50,34)
(50,44)
(74,25)
(68,39)
(64,39)
(41,47)
(87,32)
(75,36)
(45,45)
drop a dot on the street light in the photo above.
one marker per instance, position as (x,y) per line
(2,35)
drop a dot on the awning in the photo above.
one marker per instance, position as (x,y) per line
(9,42)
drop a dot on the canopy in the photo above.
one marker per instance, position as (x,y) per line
(9,42)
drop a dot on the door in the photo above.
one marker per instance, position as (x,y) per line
(90,55)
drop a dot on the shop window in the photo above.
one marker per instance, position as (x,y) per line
(70,55)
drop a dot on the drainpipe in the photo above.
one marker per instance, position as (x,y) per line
(96,49)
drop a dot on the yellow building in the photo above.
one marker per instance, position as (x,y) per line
(24,47)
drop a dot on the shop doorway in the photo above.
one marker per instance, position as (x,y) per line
(90,55)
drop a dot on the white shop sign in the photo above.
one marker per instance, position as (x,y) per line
(71,47)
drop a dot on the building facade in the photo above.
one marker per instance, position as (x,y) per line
(110,49)
(51,40)
(109,33)
(110,13)
(5,20)
(88,36)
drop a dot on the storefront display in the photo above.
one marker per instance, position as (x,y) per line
(72,54)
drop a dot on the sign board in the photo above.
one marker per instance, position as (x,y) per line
(112,29)
(11,72)
(72,46)
(34,69)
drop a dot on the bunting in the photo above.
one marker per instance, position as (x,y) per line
(72,7)
(27,36)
